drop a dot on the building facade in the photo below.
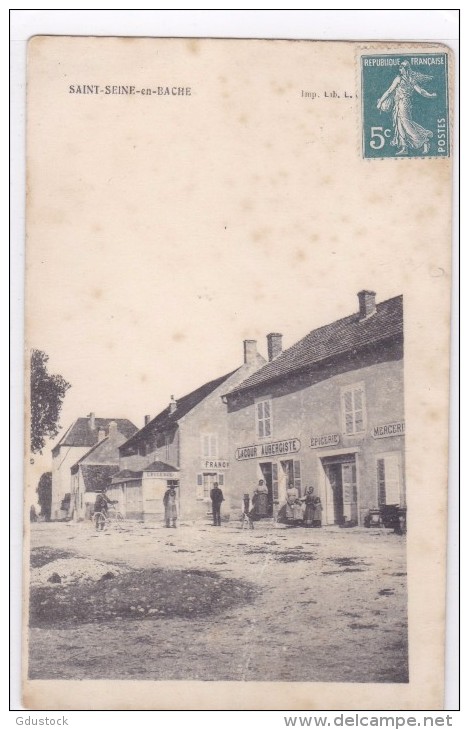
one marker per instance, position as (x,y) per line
(327,412)
(93,472)
(75,443)
(186,445)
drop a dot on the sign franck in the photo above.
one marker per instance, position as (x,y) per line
(276,448)
(215,464)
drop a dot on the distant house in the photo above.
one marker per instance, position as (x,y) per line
(93,472)
(327,412)
(75,443)
(185,445)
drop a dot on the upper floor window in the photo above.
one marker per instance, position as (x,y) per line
(209,445)
(264,418)
(353,408)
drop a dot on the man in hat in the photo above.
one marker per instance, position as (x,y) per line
(216,495)
(170,507)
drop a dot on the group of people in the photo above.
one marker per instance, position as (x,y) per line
(306,510)
(170,505)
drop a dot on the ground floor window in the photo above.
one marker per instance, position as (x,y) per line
(205,483)
(388,479)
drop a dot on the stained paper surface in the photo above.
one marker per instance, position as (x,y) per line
(186,195)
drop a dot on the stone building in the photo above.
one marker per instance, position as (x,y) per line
(75,443)
(326,412)
(185,445)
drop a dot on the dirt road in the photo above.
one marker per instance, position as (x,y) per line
(329,605)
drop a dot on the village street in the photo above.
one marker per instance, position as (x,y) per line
(271,604)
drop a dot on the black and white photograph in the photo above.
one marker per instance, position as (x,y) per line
(237,335)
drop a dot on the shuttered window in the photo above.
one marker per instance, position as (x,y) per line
(264,419)
(205,482)
(209,445)
(297,476)
(200,486)
(349,483)
(353,409)
(275,482)
(388,479)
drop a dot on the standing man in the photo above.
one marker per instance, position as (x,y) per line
(170,507)
(216,495)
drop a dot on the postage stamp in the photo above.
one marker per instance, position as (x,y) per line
(405,105)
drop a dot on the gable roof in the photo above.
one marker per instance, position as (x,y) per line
(105,451)
(80,433)
(345,335)
(126,475)
(160,466)
(97,477)
(165,420)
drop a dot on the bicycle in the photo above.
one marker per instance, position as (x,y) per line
(102,520)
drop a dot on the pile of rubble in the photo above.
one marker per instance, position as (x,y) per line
(74,570)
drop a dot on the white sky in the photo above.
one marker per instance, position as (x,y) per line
(163,238)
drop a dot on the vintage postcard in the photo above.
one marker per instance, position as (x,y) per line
(237,330)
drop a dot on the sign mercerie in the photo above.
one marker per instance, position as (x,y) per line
(275,448)
(388,429)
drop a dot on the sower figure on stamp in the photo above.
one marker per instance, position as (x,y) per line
(216,495)
(398,97)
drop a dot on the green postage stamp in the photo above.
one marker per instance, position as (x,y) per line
(405,105)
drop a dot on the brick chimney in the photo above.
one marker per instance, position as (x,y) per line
(367,303)
(172,404)
(92,421)
(112,431)
(147,420)
(101,434)
(274,345)
(250,352)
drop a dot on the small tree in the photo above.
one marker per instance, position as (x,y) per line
(44,494)
(47,394)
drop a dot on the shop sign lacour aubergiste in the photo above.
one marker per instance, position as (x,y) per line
(275,448)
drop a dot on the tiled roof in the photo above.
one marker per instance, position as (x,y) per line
(80,433)
(97,477)
(346,335)
(105,451)
(121,476)
(89,453)
(160,466)
(164,420)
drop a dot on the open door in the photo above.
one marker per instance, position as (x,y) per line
(340,474)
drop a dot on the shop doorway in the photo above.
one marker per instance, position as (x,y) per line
(340,489)
(268,477)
